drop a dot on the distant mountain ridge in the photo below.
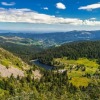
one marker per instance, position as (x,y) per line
(57,38)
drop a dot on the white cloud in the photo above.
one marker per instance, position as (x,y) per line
(29,16)
(8,4)
(45,8)
(93,19)
(91,23)
(90,7)
(60,6)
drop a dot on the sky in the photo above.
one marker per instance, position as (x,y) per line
(49,15)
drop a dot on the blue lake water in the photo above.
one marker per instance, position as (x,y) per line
(47,67)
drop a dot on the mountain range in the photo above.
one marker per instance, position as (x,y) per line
(56,38)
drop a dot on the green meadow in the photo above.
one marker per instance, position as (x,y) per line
(76,75)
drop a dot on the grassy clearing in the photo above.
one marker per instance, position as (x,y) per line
(82,61)
(80,81)
(76,73)
(77,77)
(87,62)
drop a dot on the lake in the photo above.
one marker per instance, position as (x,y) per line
(38,63)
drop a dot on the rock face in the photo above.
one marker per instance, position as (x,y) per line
(4,72)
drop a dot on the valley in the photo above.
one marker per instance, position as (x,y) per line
(80,72)
(58,72)
(50,50)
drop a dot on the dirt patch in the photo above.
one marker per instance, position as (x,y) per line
(4,72)
(37,74)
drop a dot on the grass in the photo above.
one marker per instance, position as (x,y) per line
(83,61)
(76,73)
(3,92)
(80,81)
(77,77)
(87,62)
(5,62)
(8,59)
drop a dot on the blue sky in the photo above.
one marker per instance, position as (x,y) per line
(49,15)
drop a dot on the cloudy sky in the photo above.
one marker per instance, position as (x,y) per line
(49,15)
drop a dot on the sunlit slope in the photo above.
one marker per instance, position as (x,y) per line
(81,71)
(8,59)
(10,64)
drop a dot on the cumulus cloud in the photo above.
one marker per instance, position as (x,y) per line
(29,16)
(91,22)
(60,6)
(90,7)
(8,4)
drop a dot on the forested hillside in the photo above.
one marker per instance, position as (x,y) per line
(21,47)
(13,72)
(73,50)
(82,62)
(39,84)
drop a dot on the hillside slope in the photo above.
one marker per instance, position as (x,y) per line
(51,85)
(22,47)
(74,50)
(15,76)
(80,59)
(10,64)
